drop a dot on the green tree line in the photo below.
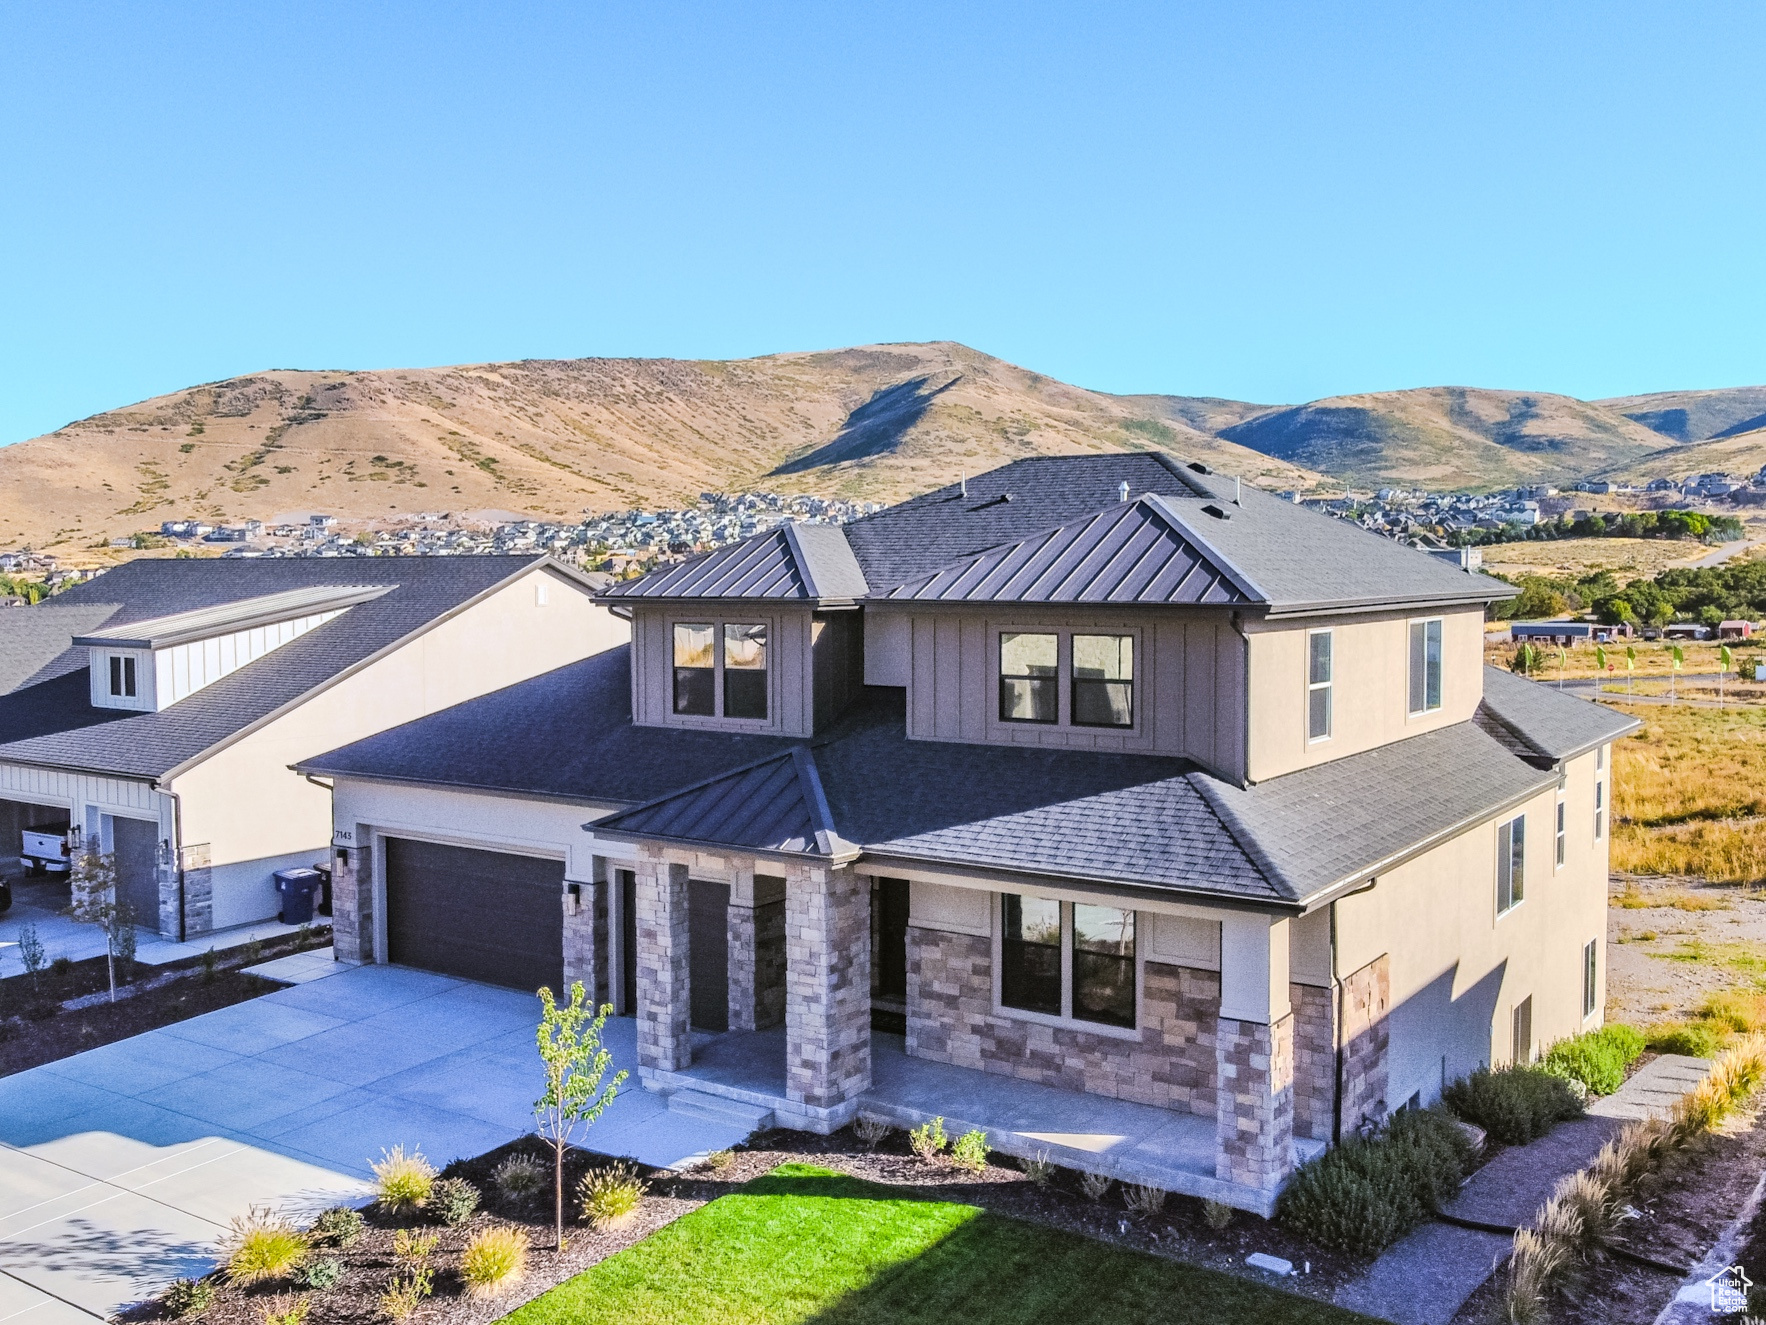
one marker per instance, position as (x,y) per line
(1706,595)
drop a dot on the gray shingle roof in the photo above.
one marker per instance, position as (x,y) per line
(1129,819)
(1134,552)
(1537,721)
(792,562)
(47,717)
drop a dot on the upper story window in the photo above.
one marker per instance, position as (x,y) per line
(1318,685)
(1099,671)
(1072,960)
(1425,666)
(1103,680)
(1562,833)
(122,677)
(1030,678)
(1600,808)
(1511,864)
(720,669)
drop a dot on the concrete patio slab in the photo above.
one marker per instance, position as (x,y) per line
(298,968)
(120,1168)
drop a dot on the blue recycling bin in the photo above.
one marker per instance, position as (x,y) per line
(297,888)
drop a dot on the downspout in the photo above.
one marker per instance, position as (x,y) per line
(1237,622)
(178,852)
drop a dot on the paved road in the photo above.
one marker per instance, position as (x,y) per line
(1725,552)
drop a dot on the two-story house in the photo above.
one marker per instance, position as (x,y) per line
(154,712)
(1097,775)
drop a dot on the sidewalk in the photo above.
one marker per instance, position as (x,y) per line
(1425,1278)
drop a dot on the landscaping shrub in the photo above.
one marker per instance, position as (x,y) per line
(928,1139)
(409,1247)
(186,1297)
(1094,1185)
(1734,1012)
(720,1160)
(320,1273)
(520,1177)
(1698,1039)
(1216,1215)
(403,1182)
(406,1292)
(609,1196)
(339,1226)
(1039,1168)
(452,1201)
(1597,1059)
(970,1151)
(493,1261)
(870,1129)
(1515,1104)
(261,1247)
(1364,1195)
(1146,1201)
(283,1311)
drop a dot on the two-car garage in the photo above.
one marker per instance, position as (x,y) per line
(489,916)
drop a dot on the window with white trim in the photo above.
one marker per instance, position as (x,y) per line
(1318,685)
(1511,864)
(1562,833)
(122,677)
(1425,666)
(1071,960)
(1590,975)
(1600,808)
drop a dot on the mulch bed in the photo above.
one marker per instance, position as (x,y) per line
(1178,1232)
(1684,1208)
(35,1027)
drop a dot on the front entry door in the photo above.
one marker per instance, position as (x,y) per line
(708,949)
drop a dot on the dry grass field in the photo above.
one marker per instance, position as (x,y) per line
(1689,794)
(1655,661)
(1572,558)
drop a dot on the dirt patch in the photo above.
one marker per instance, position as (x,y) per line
(36,1027)
(1667,953)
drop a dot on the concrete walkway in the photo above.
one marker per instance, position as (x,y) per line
(1425,1277)
(120,1168)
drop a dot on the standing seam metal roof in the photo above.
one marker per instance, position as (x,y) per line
(793,561)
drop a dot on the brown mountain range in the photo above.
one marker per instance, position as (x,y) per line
(553,438)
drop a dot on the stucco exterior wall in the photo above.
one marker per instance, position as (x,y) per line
(251,811)
(1455,969)
(1370,696)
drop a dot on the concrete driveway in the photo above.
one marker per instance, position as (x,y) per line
(120,1168)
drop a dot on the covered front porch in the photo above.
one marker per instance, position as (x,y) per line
(1133,1143)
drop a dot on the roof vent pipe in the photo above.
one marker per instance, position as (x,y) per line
(1236,481)
(1122,492)
(963,485)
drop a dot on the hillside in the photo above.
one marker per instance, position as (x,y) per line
(1696,416)
(551,439)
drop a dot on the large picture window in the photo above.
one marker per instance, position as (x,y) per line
(1103,680)
(1029,678)
(1030,954)
(1318,685)
(1073,960)
(1425,666)
(1511,864)
(734,651)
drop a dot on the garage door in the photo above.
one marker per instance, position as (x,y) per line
(136,845)
(479,915)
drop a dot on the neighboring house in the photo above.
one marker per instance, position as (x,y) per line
(157,709)
(1094,772)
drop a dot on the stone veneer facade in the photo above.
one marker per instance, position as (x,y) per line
(585,941)
(1315,1060)
(827,985)
(663,1009)
(352,902)
(1367,1037)
(1170,1063)
(757,965)
(1254,1120)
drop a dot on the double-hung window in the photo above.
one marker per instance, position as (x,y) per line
(1600,808)
(1425,666)
(1511,864)
(1562,835)
(122,677)
(1073,960)
(1318,685)
(1030,677)
(734,651)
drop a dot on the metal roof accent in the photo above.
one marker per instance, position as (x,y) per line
(226,618)
(776,805)
(1139,552)
(793,562)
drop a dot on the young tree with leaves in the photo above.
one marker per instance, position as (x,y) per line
(575,1062)
(93,879)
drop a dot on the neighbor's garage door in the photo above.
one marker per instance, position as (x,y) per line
(480,915)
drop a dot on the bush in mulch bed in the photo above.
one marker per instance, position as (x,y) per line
(1515,1104)
(1365,1194)
(1597,1059)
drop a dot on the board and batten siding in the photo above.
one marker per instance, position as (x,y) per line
(85,796)
(165,676)
(791,708)
(1189,685)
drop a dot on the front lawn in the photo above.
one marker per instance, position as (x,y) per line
(805,1244)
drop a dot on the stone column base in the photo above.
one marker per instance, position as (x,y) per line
(1254,1109)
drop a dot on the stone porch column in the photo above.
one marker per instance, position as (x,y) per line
(827,985)
(585,938)
(1315,1059)
(352,900)
(757,951)
(663,1006)
(1254,1054)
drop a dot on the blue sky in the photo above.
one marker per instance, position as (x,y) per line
(1265,201)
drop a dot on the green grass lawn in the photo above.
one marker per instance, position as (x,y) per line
(804,1244)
